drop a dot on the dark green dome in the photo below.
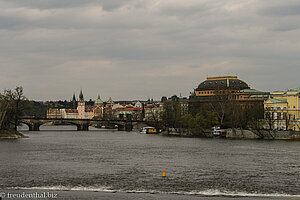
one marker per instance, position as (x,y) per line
(223,83)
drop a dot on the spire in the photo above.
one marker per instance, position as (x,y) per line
(110,101)
(81,96)
(74,98)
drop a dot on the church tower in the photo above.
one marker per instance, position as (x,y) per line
(73,102)
(81,106)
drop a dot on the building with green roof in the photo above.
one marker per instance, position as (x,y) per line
(98,100)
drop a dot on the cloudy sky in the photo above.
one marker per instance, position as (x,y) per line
(135,49)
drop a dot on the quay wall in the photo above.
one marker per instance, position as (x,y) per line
(263,134)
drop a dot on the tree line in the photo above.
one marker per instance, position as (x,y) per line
(222,110)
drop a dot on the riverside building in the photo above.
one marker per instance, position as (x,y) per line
(83,111)
(282,110)
(219,92)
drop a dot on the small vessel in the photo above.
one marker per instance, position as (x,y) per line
(148,130)
(217,131)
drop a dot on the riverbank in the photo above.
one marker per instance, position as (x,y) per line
(205,134)
(262,134)
(241,134)
(11,134)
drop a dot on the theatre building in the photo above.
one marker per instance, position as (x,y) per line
(215,91)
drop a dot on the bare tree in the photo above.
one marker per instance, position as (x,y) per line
(220,104)
(270,118)
(11,107)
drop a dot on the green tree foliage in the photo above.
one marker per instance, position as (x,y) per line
(199,122)
(35,109)
(254,117)
(171,114)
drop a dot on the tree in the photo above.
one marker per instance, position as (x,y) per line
(12,106)
(200,122)
(171,114)
(18,99)
(270,118)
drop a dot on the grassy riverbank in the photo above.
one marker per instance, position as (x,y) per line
(11,134)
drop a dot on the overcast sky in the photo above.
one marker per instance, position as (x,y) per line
(135,49)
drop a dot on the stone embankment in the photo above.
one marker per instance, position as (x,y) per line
(241,134)
(11,134)
(263,134)
(205,133)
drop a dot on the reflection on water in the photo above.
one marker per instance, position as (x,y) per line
(107,160)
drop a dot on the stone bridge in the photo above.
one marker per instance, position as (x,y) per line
(82,124)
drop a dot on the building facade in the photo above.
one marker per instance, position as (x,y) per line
(229,97)
(282,110)
(83,111)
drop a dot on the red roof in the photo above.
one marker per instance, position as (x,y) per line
(93,107)
(71,111)
(129,109)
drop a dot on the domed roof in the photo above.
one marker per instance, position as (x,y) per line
(98,100)
(138,103)
(223,82)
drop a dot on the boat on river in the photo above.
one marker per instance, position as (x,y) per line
(217,131)
(148,130)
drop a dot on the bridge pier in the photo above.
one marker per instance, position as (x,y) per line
(128,127)
(121,127)
(125,127)
(83,127)
(34,127)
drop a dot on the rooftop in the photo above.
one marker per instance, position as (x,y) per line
(223,83)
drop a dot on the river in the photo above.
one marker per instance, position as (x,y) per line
(107,164)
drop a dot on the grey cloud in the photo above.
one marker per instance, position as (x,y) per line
(283,10)
(285,27)
(185,10)
(135,48)
(52,4)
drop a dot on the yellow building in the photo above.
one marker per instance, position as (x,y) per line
(282,110)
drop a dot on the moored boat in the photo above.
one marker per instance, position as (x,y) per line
(148,130)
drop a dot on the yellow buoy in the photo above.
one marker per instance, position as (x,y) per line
(164,174)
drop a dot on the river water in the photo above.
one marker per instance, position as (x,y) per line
(129,164)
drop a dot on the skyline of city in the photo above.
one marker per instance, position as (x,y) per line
(153,97)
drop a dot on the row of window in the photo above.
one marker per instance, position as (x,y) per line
(279,116)
(207,92)
(214,92)
(279,108)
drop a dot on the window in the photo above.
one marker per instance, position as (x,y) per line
(284,115)
(279,116)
